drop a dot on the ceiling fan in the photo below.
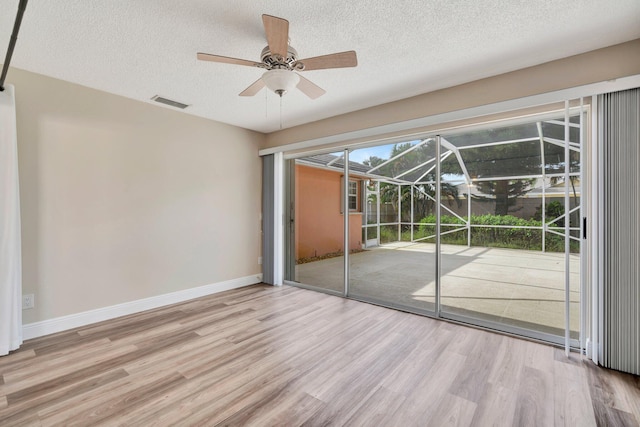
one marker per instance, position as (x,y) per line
(282,63)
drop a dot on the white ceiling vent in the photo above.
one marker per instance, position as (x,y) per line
(169,102)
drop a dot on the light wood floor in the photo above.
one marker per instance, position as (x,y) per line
(286,356)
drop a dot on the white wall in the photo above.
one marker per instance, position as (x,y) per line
(124,200)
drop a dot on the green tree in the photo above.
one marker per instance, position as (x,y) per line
(506,192)
(424,191)
(494,161)
(404,163)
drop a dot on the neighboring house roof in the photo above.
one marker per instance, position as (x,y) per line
(338,162)
(556,190)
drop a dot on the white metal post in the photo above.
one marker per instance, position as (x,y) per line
(378,210)
(469,214)
(412,219)
(365,211)
(346,222)
(544,184)
(399,213)
(438,255)
(544,215)
(567,240)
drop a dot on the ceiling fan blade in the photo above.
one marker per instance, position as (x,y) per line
(277,31)
(333,60)
(254,88)
(227,60)
(309,88)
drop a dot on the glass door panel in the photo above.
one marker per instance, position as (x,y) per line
(503,257)
(315,223)
(399,270)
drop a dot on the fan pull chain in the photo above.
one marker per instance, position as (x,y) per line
(280,112)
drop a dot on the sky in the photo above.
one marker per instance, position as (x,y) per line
(382,151)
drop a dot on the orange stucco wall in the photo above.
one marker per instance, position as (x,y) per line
(319,223)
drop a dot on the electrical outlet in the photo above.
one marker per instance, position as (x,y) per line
(259,260)
(28,301)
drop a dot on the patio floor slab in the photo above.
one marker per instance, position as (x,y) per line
(508,286)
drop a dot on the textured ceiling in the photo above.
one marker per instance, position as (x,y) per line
(143,48)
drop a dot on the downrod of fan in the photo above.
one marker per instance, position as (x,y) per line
(12,42)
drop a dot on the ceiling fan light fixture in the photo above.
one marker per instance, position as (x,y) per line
(280,81)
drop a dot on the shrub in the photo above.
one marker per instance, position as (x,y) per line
(553,210)
(502,237)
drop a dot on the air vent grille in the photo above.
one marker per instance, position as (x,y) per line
(169,102)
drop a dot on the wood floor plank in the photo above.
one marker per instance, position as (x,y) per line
(15,358)
(423,402)
(472,380)
(246,397)
(496,407)
(408,375)
(30,420)
(350,336)
(535,397)
(453,411)
(264,355)
(378,409)
(571,394)
(226,370)
(465,340)
(606,396)
(226,325)
(540,357)
(627,393)
(180,358)
(255,405)
(200,392)
(291,408)
(25,408)
(70,337)
(111,407)
(327,377)
(50,373)
(371,369)
(508,364)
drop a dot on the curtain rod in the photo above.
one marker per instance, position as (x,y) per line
(12,42)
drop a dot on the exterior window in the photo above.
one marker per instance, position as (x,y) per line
(353,196)
(354,205)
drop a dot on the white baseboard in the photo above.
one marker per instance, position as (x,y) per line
(63,323)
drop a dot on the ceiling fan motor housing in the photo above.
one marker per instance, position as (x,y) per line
(275,62)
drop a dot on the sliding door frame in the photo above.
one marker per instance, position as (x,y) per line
(591,158)
(566,341)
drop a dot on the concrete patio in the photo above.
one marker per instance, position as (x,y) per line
(514,287)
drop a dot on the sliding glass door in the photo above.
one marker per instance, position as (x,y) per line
(480,226)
